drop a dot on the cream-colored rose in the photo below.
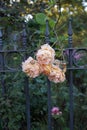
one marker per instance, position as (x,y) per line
(31,67)
(45,55)
(48,47)
(56,75)
(46,69)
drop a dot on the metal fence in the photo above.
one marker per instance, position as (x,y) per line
(72,65)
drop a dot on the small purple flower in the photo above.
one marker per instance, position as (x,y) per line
(75,54)
(78,56)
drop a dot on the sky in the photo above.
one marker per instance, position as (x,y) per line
(85,5)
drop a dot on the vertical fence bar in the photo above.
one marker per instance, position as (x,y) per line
(26,81)
(2,76)
(2,63)
(49,105)
(48,83)
(70,75)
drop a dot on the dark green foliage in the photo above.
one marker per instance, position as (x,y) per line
(12,106)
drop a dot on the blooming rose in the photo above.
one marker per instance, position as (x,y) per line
(56,112)
(45,55)
(46,69)
(48,47)
(56,75)
(31,67)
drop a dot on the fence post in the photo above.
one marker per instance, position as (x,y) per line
(26,81)
(5,121)
(48,83)
(70,75)
(2,64)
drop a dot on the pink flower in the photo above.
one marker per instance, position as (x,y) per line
(55,111)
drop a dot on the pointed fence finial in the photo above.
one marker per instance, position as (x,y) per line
(24,36)
(70,32)
(47,33)
(1,35)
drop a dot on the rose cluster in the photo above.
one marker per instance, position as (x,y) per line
(45,63)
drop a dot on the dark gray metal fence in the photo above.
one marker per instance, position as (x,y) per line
(72,65)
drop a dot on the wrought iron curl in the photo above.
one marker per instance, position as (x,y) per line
(5,53)
(79,56)
(9,55)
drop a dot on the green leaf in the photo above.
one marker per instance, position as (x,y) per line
(41,18)
(51,23)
